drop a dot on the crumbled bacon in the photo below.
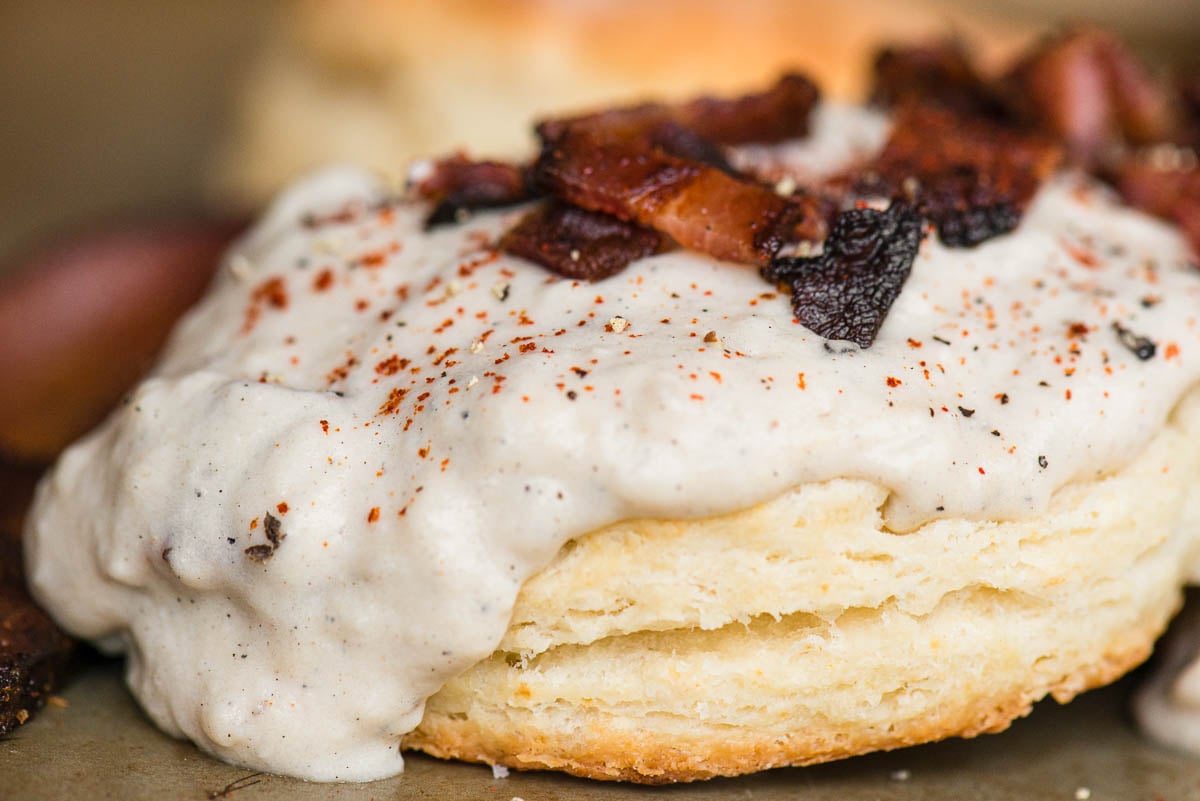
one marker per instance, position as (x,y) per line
(698,206)
(845,293)
(940,73)
(781,112)
(457,184)
(1087,89)
(972,177)
(580,244)
(1166,187)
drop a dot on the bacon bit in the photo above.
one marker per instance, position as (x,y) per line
(457,185)
(323,281)
(698,206)
(373,515)
(580,244)
(845,292)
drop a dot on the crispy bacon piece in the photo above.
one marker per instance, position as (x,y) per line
(782,112)
(457,184)
(1086,88)
(846,292)
(940,73)
(698,206)
(580,244)
(1166,186)
(971,176)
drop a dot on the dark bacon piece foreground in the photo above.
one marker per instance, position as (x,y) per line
(698,206)
(846,292)
(971,176)
(458,184)
(34,652)
(575,243)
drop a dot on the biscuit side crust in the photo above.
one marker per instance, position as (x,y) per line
(803,630)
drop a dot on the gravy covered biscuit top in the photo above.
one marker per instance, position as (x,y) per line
(322,504)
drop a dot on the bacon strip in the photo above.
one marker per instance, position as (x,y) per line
(580,244)
(1087,89)
(940,73)
(698,206)
(457,184)
(781,112)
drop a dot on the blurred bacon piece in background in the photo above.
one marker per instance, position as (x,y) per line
(80,321)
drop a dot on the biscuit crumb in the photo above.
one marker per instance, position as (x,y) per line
(1082,793)
(901,775)
(499,772)
(617,324)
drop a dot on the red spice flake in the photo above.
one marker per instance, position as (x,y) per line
(981,472)
(362,304)
(715,375)
(446,353)
(271,293)
(402,292)
(523,319)
(914,343)
(324,426)
(372,260)
(282,507)
(800,381)
(340,372)
(445,464)
(696,397)
(1067,394)
(423,452)
(373,515)
(346,214)
(391,365)
(254,524)
(1171,351)
(1080,254)
(528,346)
(323,281)
(394,399)
(1078,331)
(893,382)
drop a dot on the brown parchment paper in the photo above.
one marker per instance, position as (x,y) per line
(100,746)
